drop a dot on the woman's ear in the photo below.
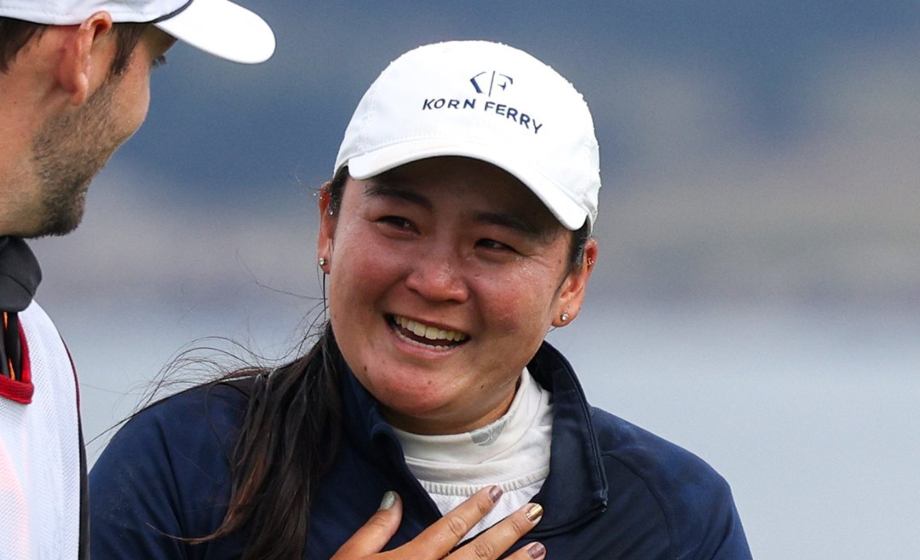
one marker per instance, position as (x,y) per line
(572,291)
(327,221)
(86,57)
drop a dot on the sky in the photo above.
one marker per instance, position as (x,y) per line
(757,295)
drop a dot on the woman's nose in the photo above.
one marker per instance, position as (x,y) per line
(438,277)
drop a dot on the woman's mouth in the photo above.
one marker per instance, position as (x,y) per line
(426,335)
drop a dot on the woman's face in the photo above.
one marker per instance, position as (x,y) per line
(444,277)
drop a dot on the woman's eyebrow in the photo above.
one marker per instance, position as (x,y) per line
(385,189)
(511,221)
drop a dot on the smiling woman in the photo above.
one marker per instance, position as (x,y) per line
(453,237)
(445,275)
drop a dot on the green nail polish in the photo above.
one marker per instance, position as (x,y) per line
(388,501)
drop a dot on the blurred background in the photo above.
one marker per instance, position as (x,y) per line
(757,300)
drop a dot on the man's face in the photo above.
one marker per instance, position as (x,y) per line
(71,148)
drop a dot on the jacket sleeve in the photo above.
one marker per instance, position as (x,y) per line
(734,545)
(677,505)
(162,479)
(710,528)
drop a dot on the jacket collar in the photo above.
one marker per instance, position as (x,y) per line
(19,274)
(576,488)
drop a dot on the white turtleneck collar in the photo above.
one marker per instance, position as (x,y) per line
(512,452)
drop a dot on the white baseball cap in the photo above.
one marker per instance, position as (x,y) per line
(219,27)
(485,101)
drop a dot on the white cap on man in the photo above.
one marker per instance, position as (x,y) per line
(485,101)
(218,27)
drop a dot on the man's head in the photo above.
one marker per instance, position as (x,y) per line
(219,27)
(74,85)
(16,33)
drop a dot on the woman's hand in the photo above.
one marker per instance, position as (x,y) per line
(435,542)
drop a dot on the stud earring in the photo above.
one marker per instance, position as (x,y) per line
(564,317)
(322,261)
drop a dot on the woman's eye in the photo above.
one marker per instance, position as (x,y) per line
(493,245)
(396,222)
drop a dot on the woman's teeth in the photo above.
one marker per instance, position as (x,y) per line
(429,333)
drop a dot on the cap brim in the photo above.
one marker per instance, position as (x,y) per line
(224,29)
(370,164)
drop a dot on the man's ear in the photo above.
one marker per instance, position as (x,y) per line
(572,291)
(86,57)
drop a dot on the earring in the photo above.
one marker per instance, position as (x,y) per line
(322,261)
(564,317)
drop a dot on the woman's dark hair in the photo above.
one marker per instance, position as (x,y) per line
(15,33)
(287,443)
(290,435)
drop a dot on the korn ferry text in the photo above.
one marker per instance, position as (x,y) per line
(511,113)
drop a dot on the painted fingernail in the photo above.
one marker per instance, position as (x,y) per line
(389,500)
(495,493)
(536,551)
(534,512)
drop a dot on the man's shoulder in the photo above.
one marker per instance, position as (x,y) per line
(34,314)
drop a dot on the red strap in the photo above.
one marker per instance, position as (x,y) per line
(22,389)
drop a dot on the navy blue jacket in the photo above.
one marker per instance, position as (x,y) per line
(614,491)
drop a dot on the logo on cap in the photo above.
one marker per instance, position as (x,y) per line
(495,81)
(504,82)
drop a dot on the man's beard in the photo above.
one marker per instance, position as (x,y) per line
(68,152)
